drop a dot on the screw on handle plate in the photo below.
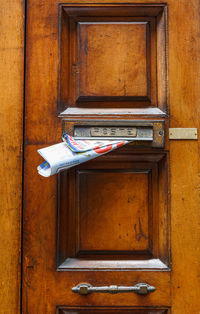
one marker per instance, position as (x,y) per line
(140,288)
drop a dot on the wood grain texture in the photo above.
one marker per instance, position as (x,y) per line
(184,87)
(44,288)
(114,208)
(103,73)
(99,78)
(113,211)
(11,130)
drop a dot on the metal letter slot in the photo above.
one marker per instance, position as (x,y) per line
(140,288)
(114,133)
(144,132)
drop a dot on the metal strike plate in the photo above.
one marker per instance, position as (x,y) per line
(140,132)
(183,134)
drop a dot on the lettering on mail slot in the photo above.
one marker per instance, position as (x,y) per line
(113,132)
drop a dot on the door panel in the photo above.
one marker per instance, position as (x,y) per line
(135,73)
(106,225)
(96,53)
(113,215)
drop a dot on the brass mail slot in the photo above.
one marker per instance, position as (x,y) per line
(139,132)
(113,132)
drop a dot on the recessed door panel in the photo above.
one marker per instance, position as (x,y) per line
(113,211)
(113,58)
(121,74)
(111,214)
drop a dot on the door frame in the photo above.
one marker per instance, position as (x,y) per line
(11,124)
(183,197)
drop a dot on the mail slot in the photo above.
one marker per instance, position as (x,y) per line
(113,132)
(150,133)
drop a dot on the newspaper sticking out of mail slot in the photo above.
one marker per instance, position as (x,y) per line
(72,152)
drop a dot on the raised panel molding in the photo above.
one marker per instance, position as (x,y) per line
(123,310)
(113,56)
(113,213)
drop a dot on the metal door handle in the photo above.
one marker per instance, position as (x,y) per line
(140,288)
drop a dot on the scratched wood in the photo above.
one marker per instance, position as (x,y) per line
(117,209)
(11,128)
(126,74)
(185,111)
(43,286)
(130,72)
(127,211)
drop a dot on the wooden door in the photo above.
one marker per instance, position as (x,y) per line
(105,225)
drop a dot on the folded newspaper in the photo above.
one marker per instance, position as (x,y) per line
(72,152)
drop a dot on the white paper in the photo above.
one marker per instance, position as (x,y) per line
(72,152)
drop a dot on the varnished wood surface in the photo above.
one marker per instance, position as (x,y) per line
(117,204)
(125,264)
(125,72)
(131,77)
(185,161)
(113,211)
(111,311)
(47,288)
(43,128)
(11,129)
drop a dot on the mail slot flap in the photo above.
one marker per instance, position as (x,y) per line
(140,132)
